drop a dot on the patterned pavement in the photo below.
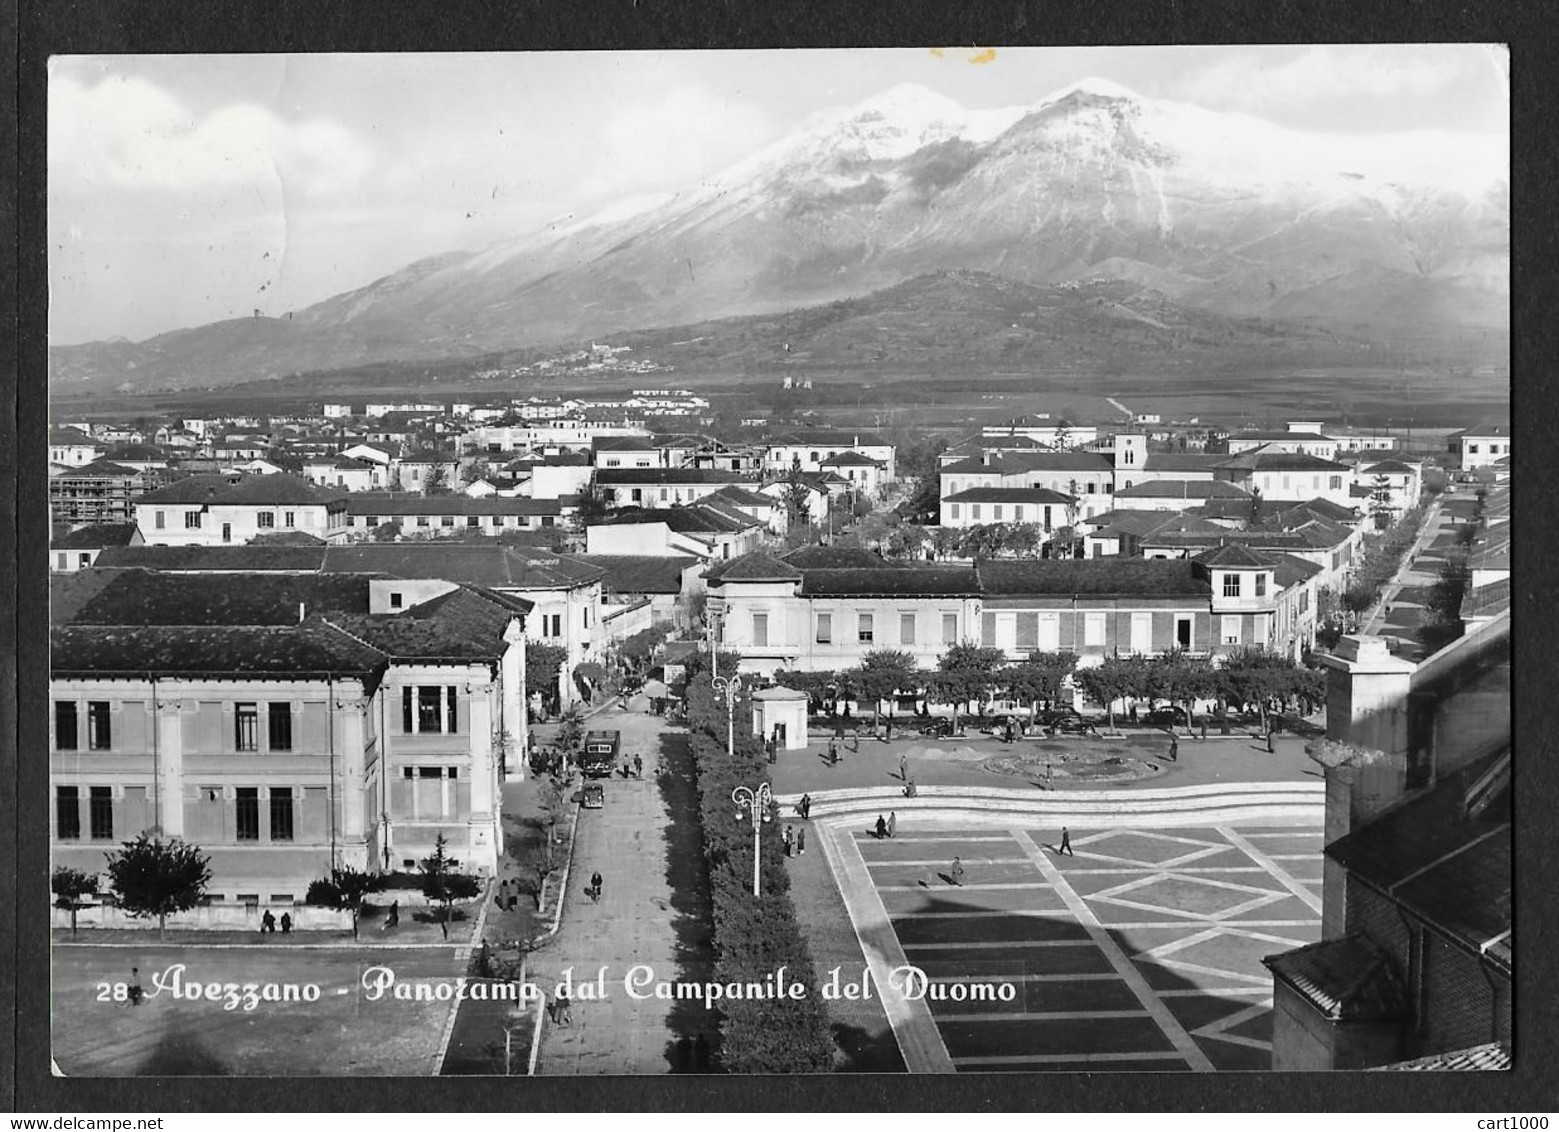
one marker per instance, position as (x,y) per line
(1140,951)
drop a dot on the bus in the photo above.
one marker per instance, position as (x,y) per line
(599,757)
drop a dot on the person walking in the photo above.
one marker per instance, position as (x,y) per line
(267,923)
(805,806)
(565,1009)
(882,827)
(595,886)
(393,920)
(833,752)
(789,838)
(801,841)
(1066,842)
(957,872)
(286,923)
(1270,732)
(893,823)
(903,768)
(1204,729)
(137,995)
(1174,748)
(638,766)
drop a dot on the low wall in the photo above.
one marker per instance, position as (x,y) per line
(214,917)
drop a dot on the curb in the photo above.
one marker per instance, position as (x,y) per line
(463,954)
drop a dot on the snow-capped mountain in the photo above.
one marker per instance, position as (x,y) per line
(1371,233)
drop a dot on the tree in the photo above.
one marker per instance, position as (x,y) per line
(437,481)
(543,662)
(883,673)
(905,542)
(797,498)
(346,888)
(153,877)
(966,672)
(1039,677)
(476,470)
(1111,680)
(442,882)
(945,541)
(1181,679)
(1022,539)
(385,531)
(592,505)
(69,886)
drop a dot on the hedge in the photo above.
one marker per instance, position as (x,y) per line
(753,936)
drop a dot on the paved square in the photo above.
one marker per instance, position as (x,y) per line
(1140,951)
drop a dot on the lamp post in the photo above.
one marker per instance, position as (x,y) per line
(756,803)
(729,686)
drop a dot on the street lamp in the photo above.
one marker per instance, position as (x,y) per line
(729,686)
(757,803)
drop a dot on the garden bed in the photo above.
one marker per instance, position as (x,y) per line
(1051,765)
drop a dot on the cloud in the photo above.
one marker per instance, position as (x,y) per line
(671,141)
(128,133)
(1251,81)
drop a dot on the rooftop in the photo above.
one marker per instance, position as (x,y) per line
(467,623)
(640,573)
(1039,495)
(145,597)
(1348,979)
(1182,489)
(1091,576)
(413,503)
(95,536)
(230,558)
(890,581)
(255,490)
(482,564)
(287,652)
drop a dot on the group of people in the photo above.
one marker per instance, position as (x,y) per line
(886,827)
(795,839)
(635,769)
(268,923)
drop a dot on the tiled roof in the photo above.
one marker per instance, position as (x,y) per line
(1291,570)
(1388,468)
(144,597)
(484,564)
(640,573)
(1261,460)
(1180,462)
(95,536)
(1305,437)
(99,468)
(412,503)
(1039,495)
(639,477)
(1182,489)
(755,567)
(739,497)
(189,558)
(256,490)
(1091,576)
(1491,1056)
(1231,556)
(1056,462)
(850,459)
(834,557)
(283,652)
(1348,979)
(683,520)
(951,581)
(1445,860)
(1126,521)
(463,624)
(825,437)
(621,444)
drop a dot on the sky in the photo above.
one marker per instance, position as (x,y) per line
(188,189)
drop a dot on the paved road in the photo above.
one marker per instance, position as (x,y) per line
(1410,573)
(645,843)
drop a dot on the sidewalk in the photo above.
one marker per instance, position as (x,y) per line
(645,843)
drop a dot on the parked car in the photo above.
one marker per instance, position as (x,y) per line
(938,726)
(1065,721)
(594,796)
(1166,717)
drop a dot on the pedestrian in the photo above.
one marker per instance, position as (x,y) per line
(565,1010)
(957,872)
(806,806)
(833,751)
(1066,842)
(136,993)
(909,789)
(1204,729)
(394,918)
(789,838)
(1270,747)
(1174,748)
(893,823)
(903,768)
(1134,713)
(595,885)
(267,922)
(801,841)
(882,827)
(638,766)
(286,923)
(890,729)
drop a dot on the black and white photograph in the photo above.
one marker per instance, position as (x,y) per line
(943,560)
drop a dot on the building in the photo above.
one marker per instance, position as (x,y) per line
(661,581)
(806,449)
(431,516)
(346,473)
(202,707)
(665,487)
(80,548)
(1386,488)
(864,474)
(1176,495)
(704,532)
(216,510)
(979,505)
(1473,447)
(1089,477)
(779,614)
(1418,955)
(73,448)
(626,452)
(99,492)
(1289,476)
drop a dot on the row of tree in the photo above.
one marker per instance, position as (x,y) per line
(969,674)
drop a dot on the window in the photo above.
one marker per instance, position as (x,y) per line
(906,628)
(1336,483)
(551,624)
(279,718)
(825,628)
(863,630)
(159,520)
(67,813)
(422,520)
(265,518)
(64,726)
(1472,449)
(974,511)
(1229,630)
(102,813)
(291,521)
(952,510)
(246,727)
(99,733)
(281,813)
(1093,630)
(996,512)
(192,520)
(949,628)
(248,813)
(1261,585)
(395,600)
(760,628)
(1183,632)
(371,521)
(446,520)
(1231,585)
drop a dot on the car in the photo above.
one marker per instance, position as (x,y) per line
(1066,721)
(1166,717)
(937,726)
(594,796)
